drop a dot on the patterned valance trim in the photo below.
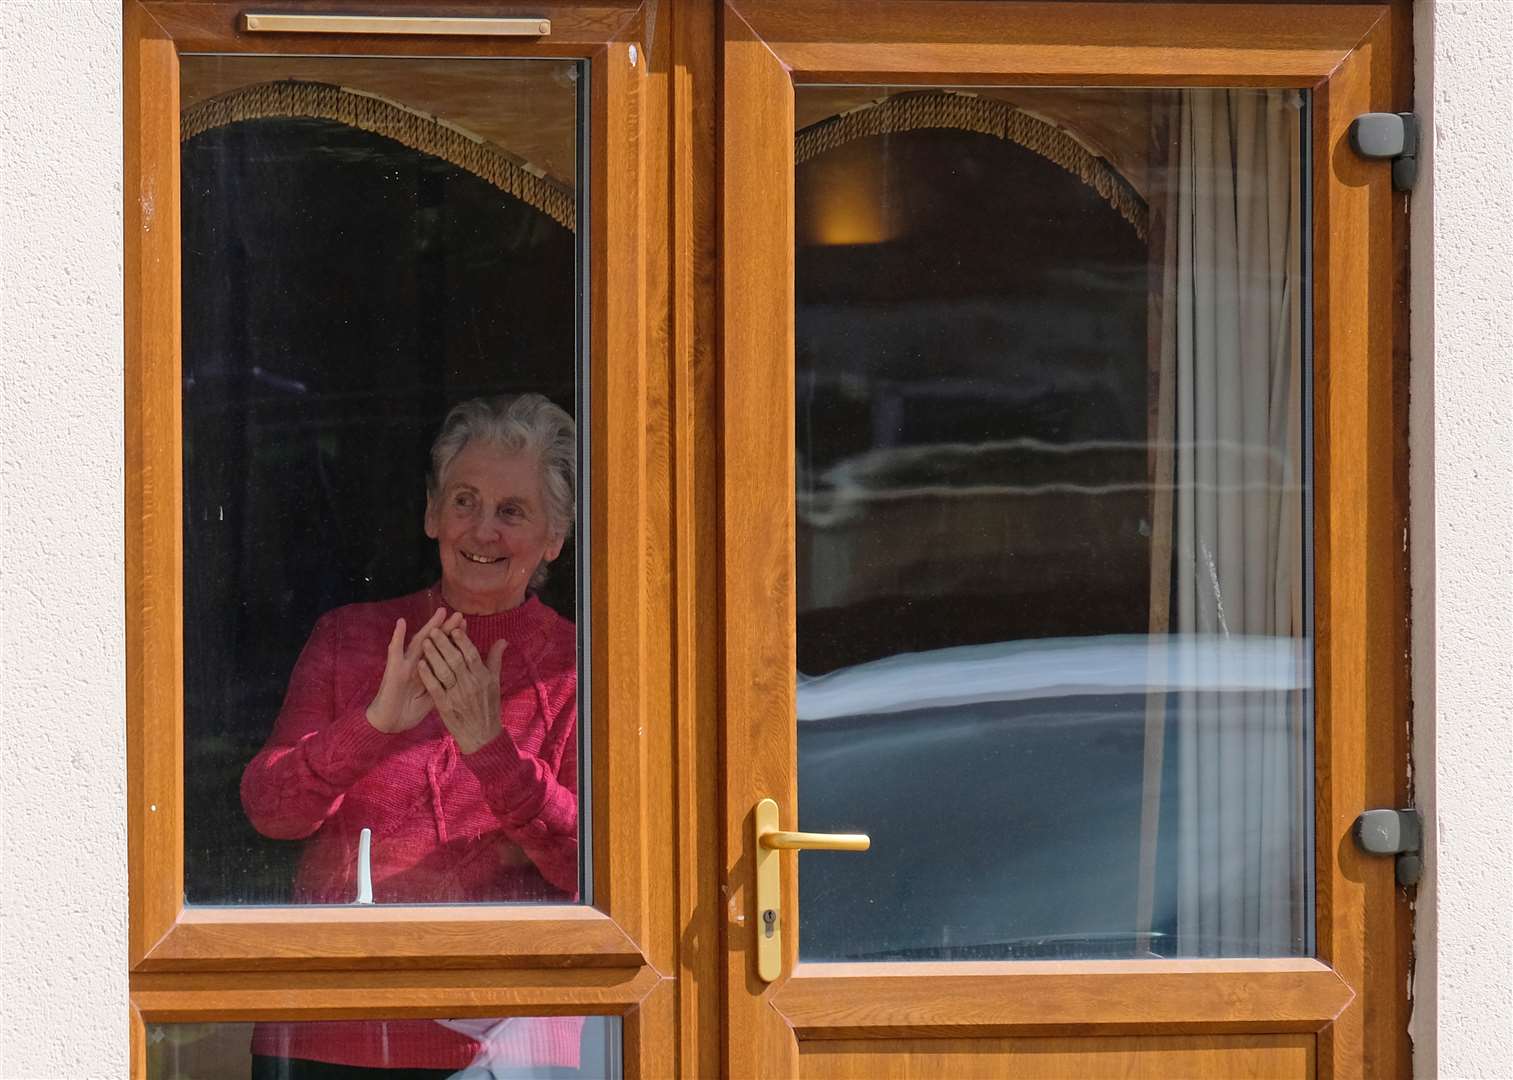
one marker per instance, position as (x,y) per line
(966,112)
(293,99)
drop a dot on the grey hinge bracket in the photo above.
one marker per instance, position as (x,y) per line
(1393,832)
(1385,135)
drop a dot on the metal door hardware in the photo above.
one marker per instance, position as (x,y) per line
(1394,136)
(770,844)
(1393,832)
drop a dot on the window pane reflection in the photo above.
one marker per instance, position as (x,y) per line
(1053,615)
(368,244)
(516,1048)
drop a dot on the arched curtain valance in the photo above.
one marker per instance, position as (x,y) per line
(366,112)
(966,112)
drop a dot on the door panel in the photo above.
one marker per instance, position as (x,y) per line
(1130,1058)
(1209,818)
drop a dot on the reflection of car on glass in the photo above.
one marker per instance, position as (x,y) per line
(1001,786)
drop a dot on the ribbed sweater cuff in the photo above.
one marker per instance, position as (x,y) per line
(513,781)
(344,751)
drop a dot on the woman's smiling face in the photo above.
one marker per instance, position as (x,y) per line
(490,523)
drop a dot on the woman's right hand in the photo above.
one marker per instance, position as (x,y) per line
(402,701)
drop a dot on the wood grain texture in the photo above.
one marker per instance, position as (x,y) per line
(357,938)
(136,1061)
(617,513)
(1150,1057)
(757,517)
(154,489)
(214,26)
(650,1037)
(228,943)
(1355,998)
(695,292)
(657,645)
(1360,598)
(891,1001)
(710,556)
(391,994)
(1092,44)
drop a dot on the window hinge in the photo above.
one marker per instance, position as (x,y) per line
(1393,832)
(1385,135)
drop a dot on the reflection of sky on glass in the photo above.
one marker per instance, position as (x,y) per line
(1054,668)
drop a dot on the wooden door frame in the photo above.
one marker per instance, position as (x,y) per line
(1353,59)
(610,957)
(681,914)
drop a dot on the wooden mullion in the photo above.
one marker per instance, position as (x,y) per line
(340,937)
(694,295)
(657,660)
(389,995)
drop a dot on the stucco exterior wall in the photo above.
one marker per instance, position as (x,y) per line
(63,992)
(1462,526)
(63,1003)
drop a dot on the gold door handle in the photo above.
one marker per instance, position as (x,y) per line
(774,840)
(770,841)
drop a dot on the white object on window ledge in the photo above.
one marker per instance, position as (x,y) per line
(365,867)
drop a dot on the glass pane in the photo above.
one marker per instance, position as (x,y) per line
(1054,618)
(372,245)
(517,1048)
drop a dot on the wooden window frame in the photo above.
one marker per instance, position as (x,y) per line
(307,963)
(1349,56)
(662,945)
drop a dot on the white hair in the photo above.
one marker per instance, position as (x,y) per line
(523,423)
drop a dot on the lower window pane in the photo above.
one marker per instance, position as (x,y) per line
(512,1048)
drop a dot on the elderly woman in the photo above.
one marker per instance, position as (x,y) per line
(445,722)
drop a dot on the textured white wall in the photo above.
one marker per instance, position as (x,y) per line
(1462,486)
(63,993)
(62,798)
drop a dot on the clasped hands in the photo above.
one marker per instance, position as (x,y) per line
(440,668)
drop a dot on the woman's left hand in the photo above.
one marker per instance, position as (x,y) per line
(464,686)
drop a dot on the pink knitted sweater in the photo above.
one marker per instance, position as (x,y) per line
(500,824)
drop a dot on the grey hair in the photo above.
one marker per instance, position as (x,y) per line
(523,423)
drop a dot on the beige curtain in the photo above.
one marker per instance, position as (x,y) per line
(1231,369)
